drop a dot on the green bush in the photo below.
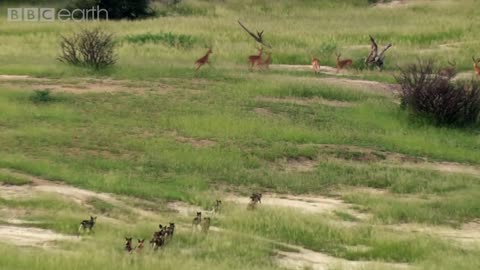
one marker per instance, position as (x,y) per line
(41,96)
(429,93)
(118,9)
(169,39)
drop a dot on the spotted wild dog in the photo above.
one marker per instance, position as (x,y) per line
(170,230)
(197,220)
(255,198)
(87,224)
(341,64)
(206,224)
(253,60)
(157,241)
(476,66)
(218,206)
(315,65)
(203,60)
(128,244)
(140,244)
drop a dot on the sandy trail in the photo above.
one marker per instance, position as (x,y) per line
(80,196)
(308,259)
(301,258)
(392,4)
(81,85)
(468,234)
(365,154)
(304,204)
(307,101)
(33,237)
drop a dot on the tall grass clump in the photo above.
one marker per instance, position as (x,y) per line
(429,93)
(169,39)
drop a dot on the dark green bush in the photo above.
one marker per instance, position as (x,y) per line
(169,39)
(428,92)
(118,9)
(41,96)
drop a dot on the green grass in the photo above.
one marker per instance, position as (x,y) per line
(8,179)
(148,144)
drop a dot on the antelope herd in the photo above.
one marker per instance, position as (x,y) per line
(165,233)
(374,59)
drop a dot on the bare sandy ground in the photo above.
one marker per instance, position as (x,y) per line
(29,236)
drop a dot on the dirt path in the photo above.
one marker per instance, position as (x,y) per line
(339,80)
(33,237)
(468,234)
(81,196)
(81,85)
(307,101)
(301,258)
(305,204)
(367,155)
(392,4)
(308,259)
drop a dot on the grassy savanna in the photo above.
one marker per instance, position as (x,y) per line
(159,132)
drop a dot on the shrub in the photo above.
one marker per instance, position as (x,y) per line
(118,9)
(41,96)
(428,92)
(93,48)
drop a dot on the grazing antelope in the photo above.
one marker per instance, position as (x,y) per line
(206,224)
(476,67)
(217,207)
(449,71)
(255,59)
(315,65)
(197,220)
(87,224)
(203,60)
(140,244)
(128,244)
(265,64)
(341,64)
(170,230)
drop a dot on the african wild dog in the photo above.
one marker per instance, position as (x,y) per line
(128,244)
(87,224)
(206,224)
(140,244)
(218,206)
(197,220)
(170,230)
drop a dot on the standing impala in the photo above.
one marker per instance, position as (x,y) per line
(203,60)
(315,65)
(265,64)
(341,64)
(255,59)
(476,67)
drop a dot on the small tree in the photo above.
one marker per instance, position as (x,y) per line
(93,48)
(426,91)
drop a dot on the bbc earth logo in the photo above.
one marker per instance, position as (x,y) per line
(52,14)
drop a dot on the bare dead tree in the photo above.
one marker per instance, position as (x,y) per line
(258,36)
(375,58)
